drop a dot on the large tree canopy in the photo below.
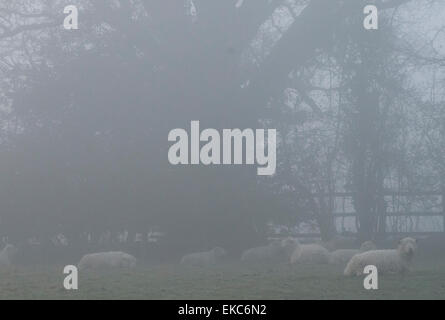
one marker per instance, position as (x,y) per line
(86,113)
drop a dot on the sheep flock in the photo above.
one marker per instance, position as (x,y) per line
(288,251)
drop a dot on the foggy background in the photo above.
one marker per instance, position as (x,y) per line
(85,115)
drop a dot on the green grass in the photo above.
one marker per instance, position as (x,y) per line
(231,281)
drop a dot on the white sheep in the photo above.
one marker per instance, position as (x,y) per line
(5,255)
(273,252)
(309,253)
(387,261)
(205,258)
(342,256)
(107,260)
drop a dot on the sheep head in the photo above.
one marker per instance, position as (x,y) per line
(407,247)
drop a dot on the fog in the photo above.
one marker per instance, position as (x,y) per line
(87,114)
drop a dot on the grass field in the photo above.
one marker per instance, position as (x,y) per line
(230,281)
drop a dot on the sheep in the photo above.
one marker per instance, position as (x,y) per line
(6,254)
(107,260)
(273,252)
(203,259)
(342,256)
(309,253)
(387,261)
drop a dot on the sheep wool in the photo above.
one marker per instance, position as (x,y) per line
(274,252)
(107,260)
(205,258)
(387,261)
(342,256)
(309,253)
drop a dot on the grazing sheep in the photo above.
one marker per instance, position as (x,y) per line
(309,253)
(6,254)
(205,258)
(273,252)
(107,260)
(387,261)
(342,256)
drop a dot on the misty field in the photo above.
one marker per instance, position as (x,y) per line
(231,281)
